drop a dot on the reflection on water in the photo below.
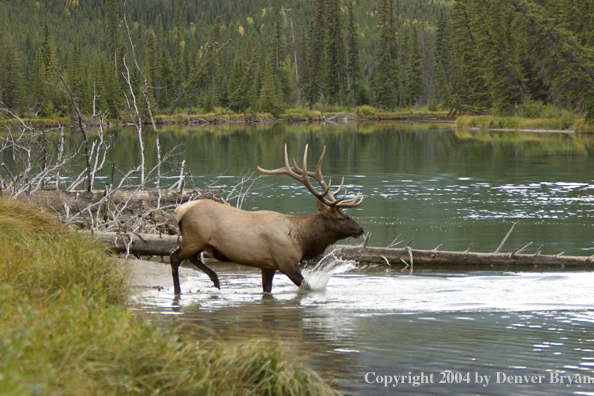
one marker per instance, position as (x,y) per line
(381,321)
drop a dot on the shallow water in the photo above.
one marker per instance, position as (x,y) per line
(379,322)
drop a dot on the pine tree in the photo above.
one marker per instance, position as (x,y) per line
(270,95)
(113,34)
(414,70)
(289,87)
(316,54)
(46,47)
(209,98)
(236,75)
(443,60)
(148,70)
(76,78)
(243,97)
(470,88)
(353,58)
(557,42)
(384,82)
(11,75)
(112,101)
(493,27)
(178,59)
(278,39)
(403,55)
(167,85)
(335,53)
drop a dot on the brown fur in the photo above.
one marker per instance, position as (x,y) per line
(263,239)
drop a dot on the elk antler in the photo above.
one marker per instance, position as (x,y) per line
(327,197)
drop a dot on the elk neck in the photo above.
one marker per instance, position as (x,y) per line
(315,233)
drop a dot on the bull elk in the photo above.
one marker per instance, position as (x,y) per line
(264,239)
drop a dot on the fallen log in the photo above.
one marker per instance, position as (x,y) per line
(139,244)
(431,260)
(398,258)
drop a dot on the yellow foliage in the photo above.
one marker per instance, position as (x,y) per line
(241,30)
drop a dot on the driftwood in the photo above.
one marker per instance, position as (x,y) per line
(140,199)
(125,211)
(398,258)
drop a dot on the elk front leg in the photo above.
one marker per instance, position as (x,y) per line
(267,276)
(294,274)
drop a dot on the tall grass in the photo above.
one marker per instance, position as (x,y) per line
(41,260)
(582,126)
(531,114)
(64,329)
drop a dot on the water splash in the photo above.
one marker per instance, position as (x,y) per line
(317,278)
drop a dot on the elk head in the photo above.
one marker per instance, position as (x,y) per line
(329,206)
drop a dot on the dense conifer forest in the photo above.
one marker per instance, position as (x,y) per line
(467,56)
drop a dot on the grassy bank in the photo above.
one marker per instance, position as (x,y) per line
(581,126)
(64,328)
(38,122)
(219,115)
(494,122)
(530,115)
(316,114)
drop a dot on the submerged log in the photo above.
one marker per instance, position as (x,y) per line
(399,259)
(432,260)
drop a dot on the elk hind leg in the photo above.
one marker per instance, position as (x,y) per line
(197,261)
(175,260)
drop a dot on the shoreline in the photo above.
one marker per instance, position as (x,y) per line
(469,122)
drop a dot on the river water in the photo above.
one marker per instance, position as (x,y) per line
(524,333)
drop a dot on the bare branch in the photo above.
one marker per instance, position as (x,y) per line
(505,239)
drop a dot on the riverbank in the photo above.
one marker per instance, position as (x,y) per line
(65,327)
(222,116)
(565,122)
(521,124)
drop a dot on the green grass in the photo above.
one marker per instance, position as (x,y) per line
(37,122)
(531,114)
(513,122)
(65,329)
(581,126)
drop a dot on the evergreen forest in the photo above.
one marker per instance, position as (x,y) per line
(499,57)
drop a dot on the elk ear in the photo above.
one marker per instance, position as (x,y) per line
(326,210)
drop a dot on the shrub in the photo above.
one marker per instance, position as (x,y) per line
(582,126)
(366,111)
